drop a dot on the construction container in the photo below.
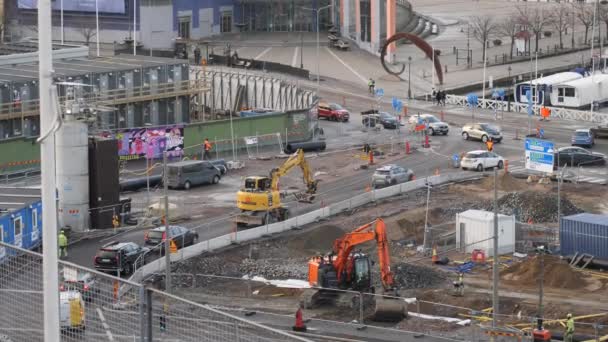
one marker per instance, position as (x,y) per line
(475,229)
(584,233)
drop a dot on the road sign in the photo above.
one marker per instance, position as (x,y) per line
(379,92)
(472,100)
(397,104)
(530,107)
(539,155)
(541,133)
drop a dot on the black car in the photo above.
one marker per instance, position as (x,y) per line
(181,236)
(371,118)
(120,257)
(577,156)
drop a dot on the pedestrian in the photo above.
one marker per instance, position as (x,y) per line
(569,335)
(197,56)
(490,145)
(433,95)
(372,85)
(443,97)
(63,245)
(438,97)
(207,148)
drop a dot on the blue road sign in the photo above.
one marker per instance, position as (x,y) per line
(472,99)
(501,93)
(379,92)
(455,157)
(541,133)
(539,155)
(397,104)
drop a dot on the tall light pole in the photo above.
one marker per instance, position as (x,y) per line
(483,92)
(495,257)
(134,27)
(318,10)
(301,51)
(409,76)
(50,268)
(97,24)
(61,5)
(167,242)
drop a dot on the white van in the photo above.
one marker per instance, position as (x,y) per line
(71,310)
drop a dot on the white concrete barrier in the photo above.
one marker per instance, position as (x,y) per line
(304,219)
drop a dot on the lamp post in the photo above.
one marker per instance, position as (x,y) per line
(509,70)
(409,75)
(318,10)
(301,51)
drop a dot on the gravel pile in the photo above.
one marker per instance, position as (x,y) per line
(535,206)
(275,269)
(409,276)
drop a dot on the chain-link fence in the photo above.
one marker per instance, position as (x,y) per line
(96,306)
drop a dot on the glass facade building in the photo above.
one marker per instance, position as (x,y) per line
(284,15)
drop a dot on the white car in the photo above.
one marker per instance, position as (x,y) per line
(481,160)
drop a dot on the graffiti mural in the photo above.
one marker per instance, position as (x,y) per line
(149,142)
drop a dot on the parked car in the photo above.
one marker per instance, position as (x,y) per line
(435,126)
(391,175)
(583,137)
(481,160)
(333,112)
(187,173)
(481,131)
(85,283)
(576,156)
(120,257)
(373,118)
(600,132)
(182,237)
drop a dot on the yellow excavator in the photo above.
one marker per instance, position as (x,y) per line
(260,200)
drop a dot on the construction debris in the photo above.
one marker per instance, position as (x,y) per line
(557,274)
(530,206)
(410,276)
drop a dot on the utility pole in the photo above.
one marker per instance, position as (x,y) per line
(426,218)
(496,257)
(134,27)
(469,61)
(167,236)
(97,24)
(483,92)
(50,268)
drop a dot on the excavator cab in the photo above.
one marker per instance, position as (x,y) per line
(362,273)
(257,183)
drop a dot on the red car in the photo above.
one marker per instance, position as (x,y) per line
(333,112)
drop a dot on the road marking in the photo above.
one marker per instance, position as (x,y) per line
(363,79)
(262,53)
(105,325)
(294,60)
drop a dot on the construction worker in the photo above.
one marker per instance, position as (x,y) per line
(459,285)
(115,221)
(490,145)
(372,85)
(569,335)
(207,148)
(63,245)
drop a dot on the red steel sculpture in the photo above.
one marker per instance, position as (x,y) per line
(421,44)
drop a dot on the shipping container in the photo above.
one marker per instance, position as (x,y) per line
(475,229)
(584,233)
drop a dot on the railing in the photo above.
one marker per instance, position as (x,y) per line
(556,112)
(21,109)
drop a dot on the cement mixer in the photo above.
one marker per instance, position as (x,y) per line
(348,270)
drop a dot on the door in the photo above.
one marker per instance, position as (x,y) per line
(35,234)
(463,239)
(2,249)
(18,231)
(477,131)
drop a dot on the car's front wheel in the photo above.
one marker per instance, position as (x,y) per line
(484,138)
(465,135)
(479,167)
(216,179)
(500,165)
(187,185)
(430,131)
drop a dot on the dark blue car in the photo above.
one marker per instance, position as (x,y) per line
(583,137)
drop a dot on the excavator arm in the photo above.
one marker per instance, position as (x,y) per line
(344,246)
(296,159)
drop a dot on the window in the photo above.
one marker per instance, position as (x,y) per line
(183,29)
(18,225)
(226,21)
(35,218)
(569,92)
(1,233)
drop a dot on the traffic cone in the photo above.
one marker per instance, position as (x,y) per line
(437,172)
(300,326)
(434,258)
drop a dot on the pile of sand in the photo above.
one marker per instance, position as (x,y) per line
(319,240)
(558,274)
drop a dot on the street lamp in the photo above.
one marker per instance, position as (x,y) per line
(301,51)
(509,70)
(409,75)
(318,10)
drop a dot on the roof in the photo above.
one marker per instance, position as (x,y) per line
(589,218)
(584,130)
(187,162)
(558,78)
(12,199)
(115,245)
(480,214)
(586,81)
(387,167)
(477,151)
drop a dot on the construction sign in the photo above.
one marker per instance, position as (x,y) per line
(172,247)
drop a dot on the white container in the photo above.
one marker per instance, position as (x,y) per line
(475,229)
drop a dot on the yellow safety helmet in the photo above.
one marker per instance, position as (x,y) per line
(569,315)
(62,231)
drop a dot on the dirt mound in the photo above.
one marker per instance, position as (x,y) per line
(505,182)
(409,276)
(535,206)
(319,240)
(558,274)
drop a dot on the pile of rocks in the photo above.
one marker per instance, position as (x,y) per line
(408,276)
(534,206)
(275,269)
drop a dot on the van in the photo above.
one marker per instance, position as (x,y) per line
(185,174)
(71,311)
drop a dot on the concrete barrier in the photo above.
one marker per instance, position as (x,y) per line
(304,219)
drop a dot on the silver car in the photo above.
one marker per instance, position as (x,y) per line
(481,131)
(391,175)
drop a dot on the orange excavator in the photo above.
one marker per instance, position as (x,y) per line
(347,269)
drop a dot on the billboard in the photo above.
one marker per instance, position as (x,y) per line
(105,6)
(149,142)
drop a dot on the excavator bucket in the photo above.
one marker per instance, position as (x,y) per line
(304,197)
(389,309)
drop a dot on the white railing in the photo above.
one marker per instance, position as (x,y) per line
(556,112)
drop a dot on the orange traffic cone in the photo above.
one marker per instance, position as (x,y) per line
(434,258)
(300,326)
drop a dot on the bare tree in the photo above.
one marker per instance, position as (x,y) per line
(509,27)
(560,22)
(87,33)
(603,15)
(584,14)
(483,28)
(536,19)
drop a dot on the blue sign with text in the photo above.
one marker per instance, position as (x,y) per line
(539,155)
